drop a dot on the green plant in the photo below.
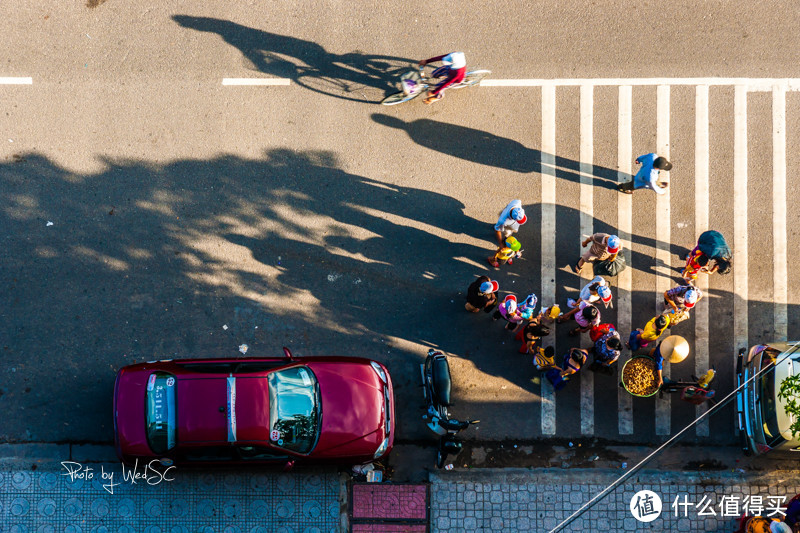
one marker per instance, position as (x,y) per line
(790,391)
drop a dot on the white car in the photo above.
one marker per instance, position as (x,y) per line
(763,421)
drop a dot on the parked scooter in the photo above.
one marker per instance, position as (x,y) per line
(436,387)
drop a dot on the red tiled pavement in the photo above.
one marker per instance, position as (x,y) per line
(386,501)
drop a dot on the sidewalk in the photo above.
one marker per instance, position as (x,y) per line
(49,499)
(38,493)
(492,500)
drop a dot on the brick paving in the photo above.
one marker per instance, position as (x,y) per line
(254,501)
(389,508)
(249,501)
(537,500)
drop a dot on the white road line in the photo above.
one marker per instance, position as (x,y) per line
(779,254)
(587,228)
(16,81)
(701,201)
(752,84)
(548,241)
(624,223)
(663,236)
(740,266)
(256,81)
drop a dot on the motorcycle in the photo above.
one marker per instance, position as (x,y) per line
(435,372)
(696,391)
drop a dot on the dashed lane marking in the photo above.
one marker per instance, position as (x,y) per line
(256,81)
(16,81)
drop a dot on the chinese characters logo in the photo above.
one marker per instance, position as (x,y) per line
(645,506)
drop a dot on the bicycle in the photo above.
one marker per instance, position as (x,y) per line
(414,83)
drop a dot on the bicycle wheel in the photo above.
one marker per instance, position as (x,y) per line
(472,78)
(399,98)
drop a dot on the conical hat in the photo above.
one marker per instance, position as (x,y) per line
(674,348)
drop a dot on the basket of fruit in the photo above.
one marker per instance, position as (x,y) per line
(640,377)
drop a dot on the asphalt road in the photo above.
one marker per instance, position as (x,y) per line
(307,216)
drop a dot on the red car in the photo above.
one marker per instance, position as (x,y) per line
(276,410)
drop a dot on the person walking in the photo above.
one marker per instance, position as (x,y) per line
(509,310)
(595,291)
(573,361)
(679,300)
(530,335)
(647,177)
(512,250)
(607,348)
(481,294)
(640,338)
(511,218)
(604,247)
(711,254)
(587,317)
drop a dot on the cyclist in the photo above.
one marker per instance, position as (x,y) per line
(454,70)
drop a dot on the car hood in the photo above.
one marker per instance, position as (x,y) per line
(352,409)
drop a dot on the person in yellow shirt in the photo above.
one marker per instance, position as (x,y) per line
(640,338)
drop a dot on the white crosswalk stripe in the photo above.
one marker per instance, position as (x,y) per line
(586,225)
(663,240)
(548,230)
(701,155)
(624,223)
(780,256)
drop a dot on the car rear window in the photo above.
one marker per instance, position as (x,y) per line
(161,409)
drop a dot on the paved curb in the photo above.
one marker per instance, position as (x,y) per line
(492,500)
(607,476)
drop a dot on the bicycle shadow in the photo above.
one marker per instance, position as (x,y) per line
(485,148)
(306,63)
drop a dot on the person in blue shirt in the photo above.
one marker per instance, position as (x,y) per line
(647,177)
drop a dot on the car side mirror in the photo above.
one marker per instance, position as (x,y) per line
(287,353)
(289,465)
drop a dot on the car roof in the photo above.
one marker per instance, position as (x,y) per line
(211,409)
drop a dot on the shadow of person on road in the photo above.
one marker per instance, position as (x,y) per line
(306,63)
(485,148)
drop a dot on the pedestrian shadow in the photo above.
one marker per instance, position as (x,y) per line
(485,148)
(306,63)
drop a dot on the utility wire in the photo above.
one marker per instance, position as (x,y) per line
(591,503)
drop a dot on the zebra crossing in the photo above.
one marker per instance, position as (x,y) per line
(700,334)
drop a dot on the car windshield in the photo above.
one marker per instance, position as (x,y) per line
(294,409)
(766,392)
(160,407)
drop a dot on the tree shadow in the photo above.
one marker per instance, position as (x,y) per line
(196,257)
(306,63)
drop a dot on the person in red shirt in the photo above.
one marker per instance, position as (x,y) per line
(453,71)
